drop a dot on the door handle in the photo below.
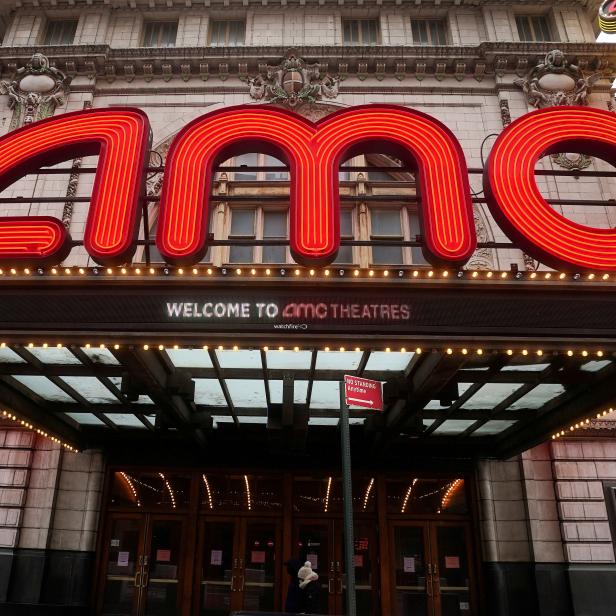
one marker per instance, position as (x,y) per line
(330,586)
(331,566)
(145,579)
(145,560)
(437,581)
(341,585)
(137,581)
(338,566)
(241,587)
(235,563)
(232,583)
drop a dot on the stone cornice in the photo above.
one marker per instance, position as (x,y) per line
(486,59)
(8,5)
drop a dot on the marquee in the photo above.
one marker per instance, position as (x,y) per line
(313,152)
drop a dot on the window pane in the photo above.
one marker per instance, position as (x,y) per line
(369,31)
(386,222)
(237,32)
(346,224)
(437,32)
(416,252)
(60,32)
(241,254)
(274,254)
(160,33)
(524,30)
(218,33)
(351,31)
(541,29)
(242,223)
(248,160)
(275,224)
(270,176)
(387,255)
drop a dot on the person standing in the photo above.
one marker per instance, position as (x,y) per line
(309,589)
(293,604)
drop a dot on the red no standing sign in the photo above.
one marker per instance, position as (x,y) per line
(363,392)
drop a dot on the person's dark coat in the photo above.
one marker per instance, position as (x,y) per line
(293,604)
(309,598)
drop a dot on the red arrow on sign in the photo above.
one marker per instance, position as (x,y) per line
(363,392)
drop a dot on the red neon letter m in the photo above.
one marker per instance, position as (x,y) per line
(121,138)
(313,153)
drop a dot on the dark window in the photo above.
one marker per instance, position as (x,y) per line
(533,28)
(227,33)
(360,31)
(160,33)
(428,32)
(60,32)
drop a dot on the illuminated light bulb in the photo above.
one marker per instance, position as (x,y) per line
(146,347)
(599,353)
(584,353)
(45,345)
(587,421)
(137,270)
(311,272)
(604,413)
(540,352)
(220,347)
(598,415)
(524,352)
(562,275)
(87,345)
(253,271)
(342,349)
(418,350)
(591,276)
(356,272)
(533,275)
(475,274)
(205,347)
(116,346)
(176,347)
(109,270)
(402,350)
(195,270)
(180,271)
(570,353)
(123,270)
(59,345)
(235,347)
(152,271)
(26,271)
(547,275)
(326,349)
(415,273)
(489,275)
(13,270)
(3,344)
(479,351)
(430,274)
(161,347)
(387,350)
(209,271)
(464,351)
(509,351)
(606,276)
(327,272)
(297,272)
(386,273)
(54,270)
(30,345)
(449,351)
(238,271)
(445,274)
(266,349)
(503,274)
(371,273)
(281,348)
(296,348)
(571,428)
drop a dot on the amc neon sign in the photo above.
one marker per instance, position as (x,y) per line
(313,152)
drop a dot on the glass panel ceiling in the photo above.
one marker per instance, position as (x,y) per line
(490,395)
(101,356)
(248,393)
(454,426)
(538,396)
(300,391)
(209,392)
(383,361)
(54,355)
(126,420)
(238,359)
(190,358)
(90,388)
(44,388)
(495,426)
(86,419)
(288,360)
(7,356)
(336,360)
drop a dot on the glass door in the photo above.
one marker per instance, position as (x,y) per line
(431,569)
(240,565)
(143,556)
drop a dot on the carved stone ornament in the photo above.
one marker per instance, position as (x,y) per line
(293,82)
(35,90)
(557,82)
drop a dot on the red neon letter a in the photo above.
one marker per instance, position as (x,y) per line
(313,153)
(121,137)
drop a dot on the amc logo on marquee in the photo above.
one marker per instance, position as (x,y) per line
(313,152)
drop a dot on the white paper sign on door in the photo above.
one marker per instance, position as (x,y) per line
(409,564)
(123,559)
(216,557)
(313,559)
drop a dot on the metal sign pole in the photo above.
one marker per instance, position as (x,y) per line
(347,500)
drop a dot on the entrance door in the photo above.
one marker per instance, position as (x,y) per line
(322,543)
(143,570)
(431,569)
(240,565)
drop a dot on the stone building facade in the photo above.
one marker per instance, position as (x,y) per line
(547,518)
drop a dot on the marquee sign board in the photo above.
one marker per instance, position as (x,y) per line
(313,153)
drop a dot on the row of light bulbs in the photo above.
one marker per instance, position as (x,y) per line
(326,349)
(582,424)
(304,272)
(9,416)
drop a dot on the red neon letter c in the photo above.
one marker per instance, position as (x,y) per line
(516,202)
